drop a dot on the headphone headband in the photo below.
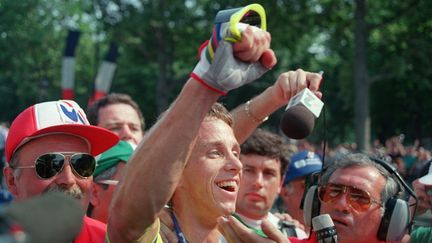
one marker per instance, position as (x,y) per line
(392,170)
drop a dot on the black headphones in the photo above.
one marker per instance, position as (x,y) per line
(396,219)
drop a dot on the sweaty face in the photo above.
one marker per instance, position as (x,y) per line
(27,184)
(259,186)
(351,225)
(211,178)
(123,120)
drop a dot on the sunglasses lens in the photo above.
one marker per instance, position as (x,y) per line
(48,165)
(330,192)
(83,164)
(359,199)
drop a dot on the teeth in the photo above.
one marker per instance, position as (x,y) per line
(227,184)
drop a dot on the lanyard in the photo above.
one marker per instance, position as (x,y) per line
(179,233)
(257,231)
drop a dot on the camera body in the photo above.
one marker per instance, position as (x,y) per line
(287,228)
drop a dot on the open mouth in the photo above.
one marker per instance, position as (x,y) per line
(230,186)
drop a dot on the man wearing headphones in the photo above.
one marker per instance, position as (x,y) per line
(362,196)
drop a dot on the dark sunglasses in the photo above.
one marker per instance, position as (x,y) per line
(51,164)
(358,199)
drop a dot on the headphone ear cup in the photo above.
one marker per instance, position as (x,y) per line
(395,221)
(311,205)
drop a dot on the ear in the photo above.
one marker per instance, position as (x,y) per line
(95,194)
(11,181)
(283,192)
(280,187)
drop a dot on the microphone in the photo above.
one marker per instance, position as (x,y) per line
(324,229)
(298,120)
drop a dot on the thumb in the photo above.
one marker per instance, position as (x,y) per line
(273,233)
(268,59)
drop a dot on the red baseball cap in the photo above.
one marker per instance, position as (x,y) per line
(63,116)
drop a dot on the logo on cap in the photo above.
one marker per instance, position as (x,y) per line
(68,112)
(309,160)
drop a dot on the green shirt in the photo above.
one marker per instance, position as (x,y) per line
(421,235)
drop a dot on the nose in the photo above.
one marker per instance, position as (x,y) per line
(341,203)
(233,164)
(66,177)
(258,180)
(125,133)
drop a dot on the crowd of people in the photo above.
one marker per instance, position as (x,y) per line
(204,174)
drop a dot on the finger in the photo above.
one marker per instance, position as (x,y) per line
(287,217)
(262,43)
(301,80)
(165,217)
(292,81)
(244,56)
(268,59)
(244,233)
(282,87)
(313,81)
(226,230)
(246,42)
(272,232)
(252,45)
(167,234)
(256,53)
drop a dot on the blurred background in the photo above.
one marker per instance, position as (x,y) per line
(376,56)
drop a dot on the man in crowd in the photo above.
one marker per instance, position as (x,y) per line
(423,189)
(106,177)
(353,191)
(51,147)
(119,114)
(193,146)
(302,165)
(108,172)
(264,163)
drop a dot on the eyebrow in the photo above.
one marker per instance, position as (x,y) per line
(218,143)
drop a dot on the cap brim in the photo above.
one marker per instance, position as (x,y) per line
(100,139)
(301,173)
(427,179)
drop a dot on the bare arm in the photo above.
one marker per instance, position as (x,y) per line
(147,186)
(157,164)
(287,85)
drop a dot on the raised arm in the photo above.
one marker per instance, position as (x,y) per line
(248,116)
(157,164)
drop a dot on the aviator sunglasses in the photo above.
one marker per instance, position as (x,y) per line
(358,199)
(50,164)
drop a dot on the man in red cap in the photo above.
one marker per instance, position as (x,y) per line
(51,147)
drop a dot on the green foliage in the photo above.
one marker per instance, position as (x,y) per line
(158,42)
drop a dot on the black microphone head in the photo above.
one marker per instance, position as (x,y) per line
(297,122)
